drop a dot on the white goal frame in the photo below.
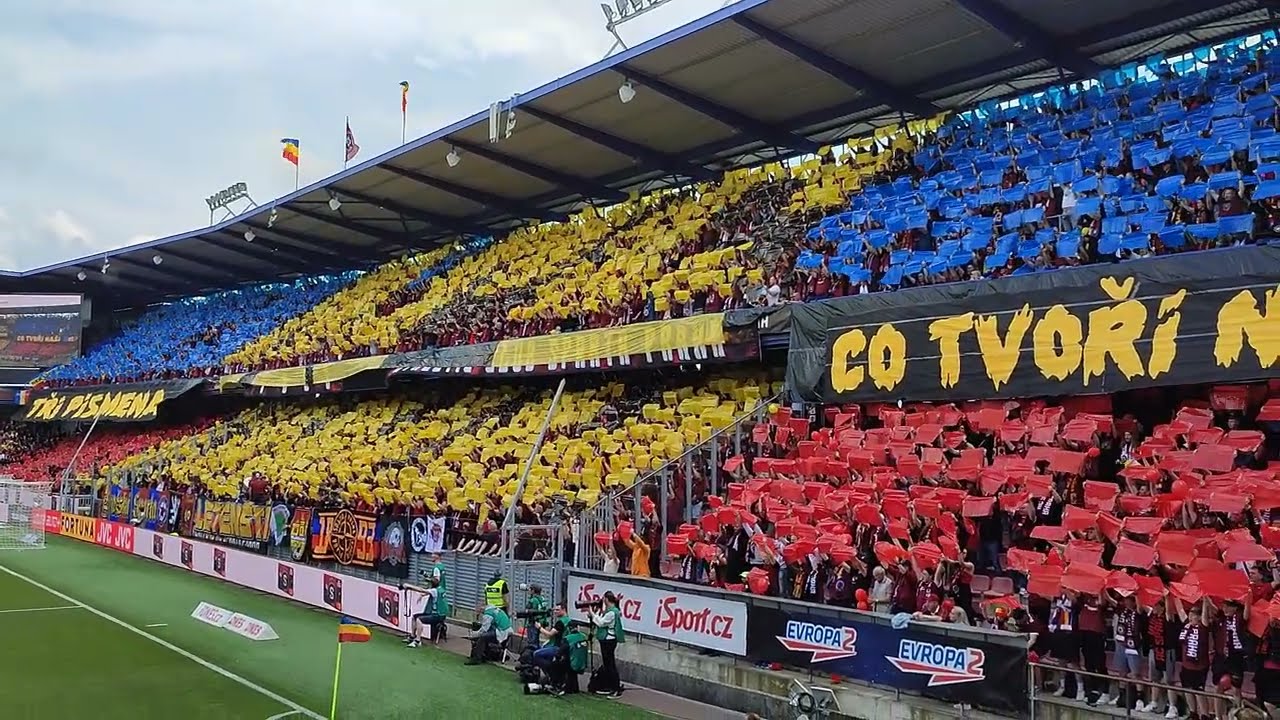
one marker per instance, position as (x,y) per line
(23,506)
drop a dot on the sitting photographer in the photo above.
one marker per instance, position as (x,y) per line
(492,631)
(553,639)
(608,623)
(432,613)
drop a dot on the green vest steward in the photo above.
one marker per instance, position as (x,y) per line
(602,633)
(442,602)
(494,593)
(501,621)
(577,651)
(438,570)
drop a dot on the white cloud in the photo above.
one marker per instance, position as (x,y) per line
(121,117)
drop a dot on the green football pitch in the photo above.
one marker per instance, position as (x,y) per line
(91,633)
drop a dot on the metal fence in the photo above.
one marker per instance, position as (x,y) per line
(673,487)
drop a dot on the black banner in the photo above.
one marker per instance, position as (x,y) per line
(1194,318)
(238,524)
(775,320)
(393,546)
(133,402)
(951,668)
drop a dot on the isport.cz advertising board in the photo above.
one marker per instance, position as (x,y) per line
(955,668)
(667,614)
(363,599)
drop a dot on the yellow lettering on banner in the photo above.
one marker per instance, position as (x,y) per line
(79,527)
(75,403)
(1056,343)
(1001,356)
(845,350)
(1241,322)
(887,357)
(947,332)
(1115,331)
(1164,341)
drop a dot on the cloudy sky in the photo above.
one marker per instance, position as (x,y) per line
(123,116)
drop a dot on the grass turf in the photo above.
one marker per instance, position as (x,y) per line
(72,663)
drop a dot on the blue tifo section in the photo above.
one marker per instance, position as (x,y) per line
(194,335)
(1142,160)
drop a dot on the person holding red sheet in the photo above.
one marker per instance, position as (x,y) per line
(1161,642)
(1266,679)
(1092,627)
(1196,646)
(1228,648)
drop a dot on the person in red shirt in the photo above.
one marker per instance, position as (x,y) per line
(1228,648)
(1196,641)
(1092,627)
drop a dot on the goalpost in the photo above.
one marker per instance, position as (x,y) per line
(22,513)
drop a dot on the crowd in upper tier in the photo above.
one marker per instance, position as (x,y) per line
(1156,158)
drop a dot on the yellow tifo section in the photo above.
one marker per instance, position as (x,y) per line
(554,259)
(467,454)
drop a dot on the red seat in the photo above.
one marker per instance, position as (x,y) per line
(980,584)
(1000,586)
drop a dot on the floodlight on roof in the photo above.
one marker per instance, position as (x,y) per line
(106,265)
(453,158)
(334,203)
(249,235)
(626,92)
(81,276)
(271,219)
(157,259)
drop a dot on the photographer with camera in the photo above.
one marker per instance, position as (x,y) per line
(535,613)
(489,634)
(607,620)
(432,612)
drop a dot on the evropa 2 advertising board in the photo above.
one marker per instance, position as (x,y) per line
(952,668)
(657,612)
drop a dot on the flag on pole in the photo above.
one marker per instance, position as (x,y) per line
(404,97)
(290,151)
(351,631)
(352,148)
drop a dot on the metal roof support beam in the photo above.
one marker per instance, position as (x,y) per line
(436,220)
(647,155)
(309,243)
(346,224)
(1025,33)
(511,206)
(218,278)
(151,284)
(236,245)
(734,119)
(213,264)
(571,183)
(873,87)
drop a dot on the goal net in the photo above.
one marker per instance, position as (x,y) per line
(22,513)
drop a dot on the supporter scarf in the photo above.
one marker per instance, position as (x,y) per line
(1127,628)
(1228,636)
(1193,646)
(1061,617)
(1155,635)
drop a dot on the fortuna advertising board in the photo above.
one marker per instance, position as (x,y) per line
(695,620)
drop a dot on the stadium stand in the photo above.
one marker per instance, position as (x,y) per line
(667,256)
(1022,513)
(460,453)
(45,454)
(190,338)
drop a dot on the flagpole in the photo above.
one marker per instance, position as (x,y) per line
(337,667)
(344,144)
(295,173)
(404,121)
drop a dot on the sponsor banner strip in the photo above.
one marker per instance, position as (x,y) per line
(920,659)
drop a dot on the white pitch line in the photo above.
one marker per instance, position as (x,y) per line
(295,707)
(291,713)
(43,609)
(153,625)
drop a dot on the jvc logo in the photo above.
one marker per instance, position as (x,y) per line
(943,664)
(823,642)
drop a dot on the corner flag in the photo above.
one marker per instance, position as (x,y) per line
(349,631)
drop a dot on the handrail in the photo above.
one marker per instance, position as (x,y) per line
(656,473)
(1054,667)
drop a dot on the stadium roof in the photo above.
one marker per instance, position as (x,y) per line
(757,80)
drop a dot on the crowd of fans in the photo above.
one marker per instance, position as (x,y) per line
(42,452)
(1101,528)
(191,338)
(19,440)
(1113,171)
